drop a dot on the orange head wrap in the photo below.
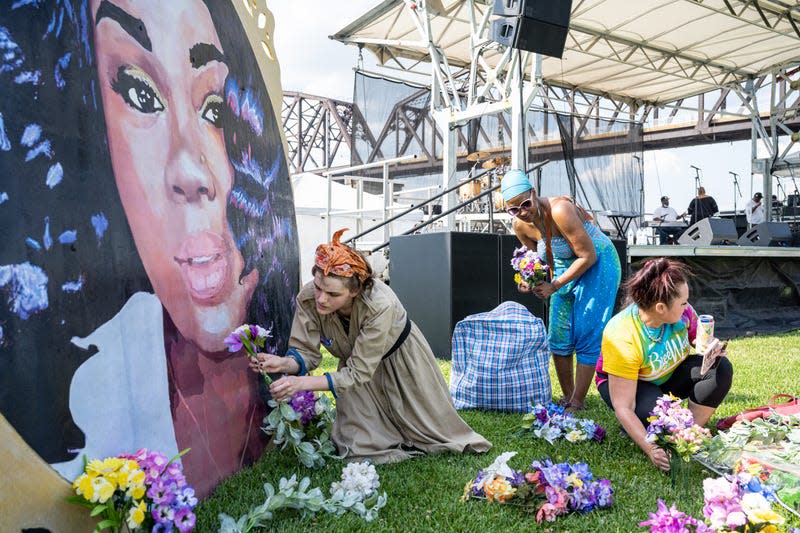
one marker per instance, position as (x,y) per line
(341,260)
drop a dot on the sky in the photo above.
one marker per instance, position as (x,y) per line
(314,64)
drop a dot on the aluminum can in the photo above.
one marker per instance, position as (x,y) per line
(705,332)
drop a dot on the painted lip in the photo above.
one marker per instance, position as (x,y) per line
(205,264)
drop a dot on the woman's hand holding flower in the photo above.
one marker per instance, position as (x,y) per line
(659,457)
(284,388)
(523,287)
(544,290)
(268,363)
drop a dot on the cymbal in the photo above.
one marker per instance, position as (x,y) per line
(477,156)
(496,162)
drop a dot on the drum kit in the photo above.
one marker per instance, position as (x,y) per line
(495,168)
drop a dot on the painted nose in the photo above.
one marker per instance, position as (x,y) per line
(189,179)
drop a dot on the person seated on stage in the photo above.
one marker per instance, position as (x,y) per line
(776,202)
(702,206)
(646,354)
(665,214)
(392,402)
(754,210)
(586,271)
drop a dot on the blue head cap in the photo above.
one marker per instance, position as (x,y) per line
(514,183)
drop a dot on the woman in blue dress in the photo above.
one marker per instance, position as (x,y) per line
(586,276)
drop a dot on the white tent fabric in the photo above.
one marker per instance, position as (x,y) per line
(655,51)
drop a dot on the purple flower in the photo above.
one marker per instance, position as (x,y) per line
(234,342)
(163,527)
(671,520)
(162,492)
(517,479)
(186,498)
(185,519)
(599,433)
(163,514)
(304,403)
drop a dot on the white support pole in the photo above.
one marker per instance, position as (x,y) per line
(449,143)
(388,198)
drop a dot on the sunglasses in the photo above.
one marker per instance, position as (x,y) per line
(515,209)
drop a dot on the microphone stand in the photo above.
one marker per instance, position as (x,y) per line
(696,178)
(735,190)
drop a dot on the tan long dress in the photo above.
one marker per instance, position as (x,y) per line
(386,410)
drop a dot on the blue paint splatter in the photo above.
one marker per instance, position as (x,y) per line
(100,223)
(41,148)
(28,77)
(73,286)
(20,3)
(62,65)
(30,135)
(46,238)
(3,197)
(68,237)
(11,56)
(54,175)
(27,288)
(5,142)
(33,243)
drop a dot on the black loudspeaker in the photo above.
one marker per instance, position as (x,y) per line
(709,232)
(442,277)
(508,288)
(539,26)
(767,234)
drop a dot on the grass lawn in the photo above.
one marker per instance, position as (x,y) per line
(424,492)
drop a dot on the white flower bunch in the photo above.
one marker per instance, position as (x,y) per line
(357,492)
(359,480)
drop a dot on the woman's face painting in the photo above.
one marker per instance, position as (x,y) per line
(162,73)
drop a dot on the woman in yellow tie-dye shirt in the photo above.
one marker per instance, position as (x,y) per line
(647,352)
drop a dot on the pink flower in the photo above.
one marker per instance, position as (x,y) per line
(719,488)
(548,512)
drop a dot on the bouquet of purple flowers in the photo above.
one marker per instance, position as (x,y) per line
(548,489)
(250,337)
(304,424)
(530,267)
(552,421)
(672,427)
(140,491)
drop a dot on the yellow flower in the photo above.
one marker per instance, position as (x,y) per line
(84,486)
(103,489)
(517,278)
(499,490)
(136,491)
(523,264)
(574,480)
(575,436)
(136,515)
(759,510)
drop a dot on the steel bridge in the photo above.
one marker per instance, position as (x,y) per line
(321,132)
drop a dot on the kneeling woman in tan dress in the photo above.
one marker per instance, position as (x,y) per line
(391,399)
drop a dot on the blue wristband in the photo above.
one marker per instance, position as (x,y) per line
(294,354)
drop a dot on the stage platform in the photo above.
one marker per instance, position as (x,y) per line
(748,289)
(711,251)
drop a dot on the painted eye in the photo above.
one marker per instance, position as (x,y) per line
(212,110)
(137,90)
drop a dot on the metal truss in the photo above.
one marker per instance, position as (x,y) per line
(430,122)
(316,128)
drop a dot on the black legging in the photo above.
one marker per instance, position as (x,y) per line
(685,382)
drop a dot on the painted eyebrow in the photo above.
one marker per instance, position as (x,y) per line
(132,26)
(203,53)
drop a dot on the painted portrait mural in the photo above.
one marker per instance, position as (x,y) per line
(145,212)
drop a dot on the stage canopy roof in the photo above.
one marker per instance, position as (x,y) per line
(654,51)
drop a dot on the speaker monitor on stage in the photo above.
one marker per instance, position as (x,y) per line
(539,26)
(710,232)
(767,234)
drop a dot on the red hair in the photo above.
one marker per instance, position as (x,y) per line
(657,281)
